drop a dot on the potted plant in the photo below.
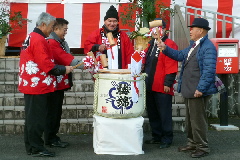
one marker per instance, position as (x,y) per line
(139,13)
(9,20)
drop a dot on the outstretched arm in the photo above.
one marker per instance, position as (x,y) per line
(172,53)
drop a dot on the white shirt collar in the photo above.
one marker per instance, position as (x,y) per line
(198,41)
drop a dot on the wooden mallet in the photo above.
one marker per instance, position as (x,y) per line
(104,60)
(110,39)
(139,48)
(78,65)
(156,23)
(88,54)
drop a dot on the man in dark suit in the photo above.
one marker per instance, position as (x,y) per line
(196,83)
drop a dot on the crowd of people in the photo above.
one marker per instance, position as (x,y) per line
(45,73)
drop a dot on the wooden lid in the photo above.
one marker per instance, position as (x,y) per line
(115,71)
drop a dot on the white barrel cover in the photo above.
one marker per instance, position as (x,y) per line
(113,96)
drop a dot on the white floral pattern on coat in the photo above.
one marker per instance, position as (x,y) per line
(34,81)
(31,67)
(43,73)
(22,68)
(55,84)
(59,78)
(25,83)
(19,81)
(66,81)
(48,80)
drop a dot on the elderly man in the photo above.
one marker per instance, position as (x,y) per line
(161,72)
(196,83)
(119,56)
(62,56)
(37,81)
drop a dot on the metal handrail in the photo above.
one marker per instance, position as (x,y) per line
(207,17)
(214,18)
(189,7)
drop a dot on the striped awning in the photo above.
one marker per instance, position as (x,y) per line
(86,17)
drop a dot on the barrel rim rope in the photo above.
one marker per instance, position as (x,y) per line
(96,85)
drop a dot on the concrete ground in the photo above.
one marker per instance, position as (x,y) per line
(224,145)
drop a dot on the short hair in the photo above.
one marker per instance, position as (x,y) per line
(60,22)
(45,18)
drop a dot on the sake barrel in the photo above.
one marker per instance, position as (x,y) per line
(113,94)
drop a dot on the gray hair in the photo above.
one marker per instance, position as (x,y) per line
(45,18)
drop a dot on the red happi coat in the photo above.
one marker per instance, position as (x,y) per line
(61,57)
(36,60)
(126,45)
(165,65)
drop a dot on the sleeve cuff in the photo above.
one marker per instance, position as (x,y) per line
(169,79)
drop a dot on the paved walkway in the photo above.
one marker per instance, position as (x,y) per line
(224,145)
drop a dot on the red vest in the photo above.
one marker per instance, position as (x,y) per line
(36,60)
(165,65)
(126,45)
(61,57)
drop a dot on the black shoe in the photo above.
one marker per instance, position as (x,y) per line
(199,153)
(45,153)
(65,143)
(29,152)
(58,144)
(164,145)
(186,148)
(152,141)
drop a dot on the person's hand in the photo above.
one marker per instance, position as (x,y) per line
(166,89)
(102,47)
(161,45)
(198,94)
(68,69)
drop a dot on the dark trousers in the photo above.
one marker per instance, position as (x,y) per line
(159,108)
(35,118)
(54,113)
(196,122)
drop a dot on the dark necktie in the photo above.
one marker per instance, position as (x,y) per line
(189,53)
(194,44)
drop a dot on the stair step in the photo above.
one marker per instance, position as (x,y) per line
(177,98)
(9,63)
(76,98)
(12,75)
(78,86)
(8,75)
(66,126)
(79,74)
(72,112)
(77,111)
(81,125)
(13,63)
(178,110)
(86,97)
(80,120)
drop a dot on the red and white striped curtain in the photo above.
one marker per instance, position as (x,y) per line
(86,17)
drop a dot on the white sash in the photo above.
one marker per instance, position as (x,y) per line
(112,63)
